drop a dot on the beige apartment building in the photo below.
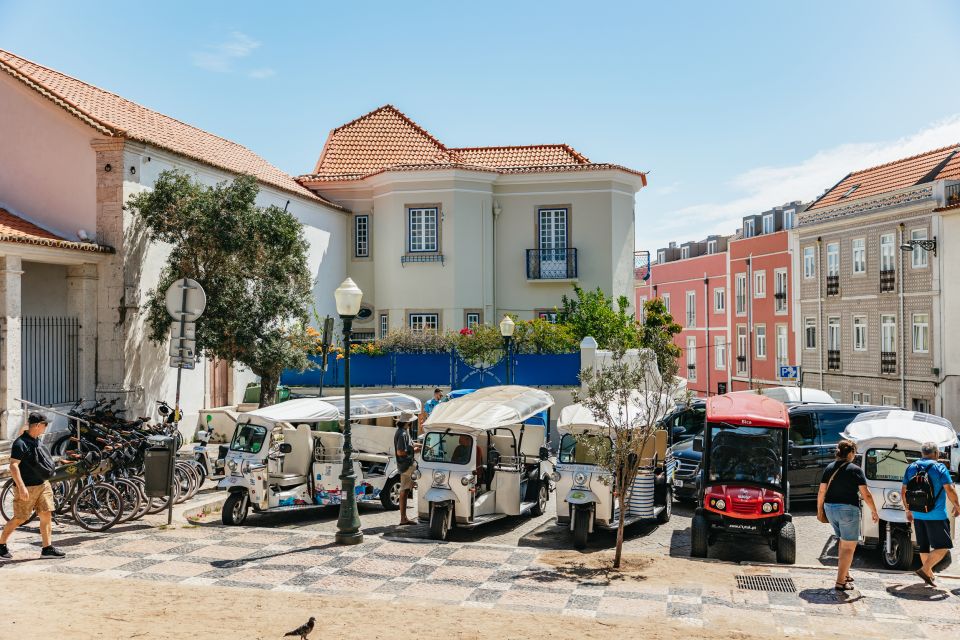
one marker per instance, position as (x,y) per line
(871,257)
(443,238)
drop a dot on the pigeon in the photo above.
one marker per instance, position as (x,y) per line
(303,630)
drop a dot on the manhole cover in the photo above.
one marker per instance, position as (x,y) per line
(766,583)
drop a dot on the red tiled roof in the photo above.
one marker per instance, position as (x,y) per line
(387,140)
(113,115)
(16,229)
(892,176)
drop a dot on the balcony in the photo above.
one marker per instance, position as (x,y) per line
(551,264)
(833,285)
(888,362)
(833,359)
(888,280)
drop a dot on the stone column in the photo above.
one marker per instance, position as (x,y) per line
(588,356)
(11,270)
(82,303)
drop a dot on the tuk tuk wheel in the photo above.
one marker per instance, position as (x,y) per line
(438,522)
(235,508)
(581,526)
(664,516)
(543,496)
(390,494)
(900,555)
(699,537)
(787,544)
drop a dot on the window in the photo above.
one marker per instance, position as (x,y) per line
(759,284)
(423,230)
(473,320)
(921,333)
(550,316)
(719,299)
(741,349)
(761,333)
(857,397)
(809,263)
(788,216)
(859,256)
(888,334)
(711,246)
(666,301)
(833,333)
(920,405)
(384,324)
(780,291)
(691,358)
(768,223)
(424,322)
(833,259)
(741,293)
(720,352)
(918,257)
(749,228)
(783,352)
(890,401)
(866,398)
(364,335)
(802,430)
(691,308)
(859,333)
(887,253)
(833,423)
(684,253)
(838,398)
(661,256)
(361,236)
(642,308)
(810,333)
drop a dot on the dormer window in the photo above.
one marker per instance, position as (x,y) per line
(661,256)
(684,253)
(788,218)
(768,223)
(748,228)
(711,246)
(850,190)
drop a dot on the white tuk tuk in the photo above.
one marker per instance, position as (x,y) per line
(585,492)
(290,455)
(481,460)
(887,442)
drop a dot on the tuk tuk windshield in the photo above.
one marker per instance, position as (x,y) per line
(746,454)
(248,438)
(453,448)
(582,452)
(888,464)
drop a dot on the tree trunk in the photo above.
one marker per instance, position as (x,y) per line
(268,390)
(622,500)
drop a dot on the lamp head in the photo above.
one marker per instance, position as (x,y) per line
(507,325)
(906,246)
(348,296)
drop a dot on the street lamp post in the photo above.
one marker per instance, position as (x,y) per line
(507,325)
(348,296)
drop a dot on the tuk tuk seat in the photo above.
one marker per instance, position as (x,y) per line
(296,464)
(654,449)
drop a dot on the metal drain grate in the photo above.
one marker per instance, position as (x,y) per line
(766,583)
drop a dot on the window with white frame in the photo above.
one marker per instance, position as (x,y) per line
(833,259)
(666,302)
(780,291)
(711,247)
(921,333)
(809,262)
(833,333)
(918,257)
(741,349)
(760,284)
(866,398)
(888,333)
(920,405)
(748,228)
(691,358)
(642,308)
(783,352)
(768,223)
(859,247)
(422,230)
(889,401)
(473,320)
(859,333)
(691,308)
(424,322)
(384,325)
(740,292)
(719,299)
(760,332)
(549,316)
(857,397)
(788,216)
(887,252)
(684,252)
(361,236)
(661,256)
(809,333)
(720,352)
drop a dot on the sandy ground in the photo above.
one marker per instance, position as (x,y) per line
(106,608)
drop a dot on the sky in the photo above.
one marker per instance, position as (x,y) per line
(731,107)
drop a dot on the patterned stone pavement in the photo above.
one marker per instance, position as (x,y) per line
(495,576)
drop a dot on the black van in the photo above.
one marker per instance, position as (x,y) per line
(683,424)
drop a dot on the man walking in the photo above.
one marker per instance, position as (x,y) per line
(926,485)
(405,450)
(30,467)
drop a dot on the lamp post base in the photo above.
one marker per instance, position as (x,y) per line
(344,537)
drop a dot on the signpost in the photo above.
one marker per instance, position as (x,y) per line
(325,341)
(792,372)
(185,301)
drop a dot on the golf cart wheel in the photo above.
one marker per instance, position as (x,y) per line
(438,522)
(787,544)
(235,508)
(543,495)
(664,516)
(699,537)
(581,527)
(900,556)
(390,494)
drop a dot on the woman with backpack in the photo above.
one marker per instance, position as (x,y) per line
(926,485)
(838,502)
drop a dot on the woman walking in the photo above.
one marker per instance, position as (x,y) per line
(838,503)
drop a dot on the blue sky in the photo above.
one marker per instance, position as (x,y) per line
(732,107)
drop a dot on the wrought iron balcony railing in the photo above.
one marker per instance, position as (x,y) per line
(888,362)
(833,359)
(888,280)
(551,264)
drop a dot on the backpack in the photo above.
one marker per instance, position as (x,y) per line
(920,495)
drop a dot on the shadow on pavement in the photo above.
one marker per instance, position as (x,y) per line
(829,596)
(239,562)
(919,592)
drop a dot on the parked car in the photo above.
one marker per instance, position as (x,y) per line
(683,425)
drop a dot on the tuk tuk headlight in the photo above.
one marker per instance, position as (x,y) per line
(439,478)
(767,507)
(467,480)
(893,499)
(721,504)
(233,465)
(580,479)
(416,474)
(555,476)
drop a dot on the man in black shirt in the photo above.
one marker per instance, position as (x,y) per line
(405,450)
(30,465)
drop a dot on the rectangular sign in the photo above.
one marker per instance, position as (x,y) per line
(183,348)
(790,372)
(183,363)
(189,330)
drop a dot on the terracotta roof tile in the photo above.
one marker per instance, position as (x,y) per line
(116,116)
(892,176)
(523,156)
(15,229)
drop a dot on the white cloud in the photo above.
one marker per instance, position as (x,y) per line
(260,74)
(220,57)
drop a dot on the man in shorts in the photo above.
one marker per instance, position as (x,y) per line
(405,451)
(932,528)
(30,465)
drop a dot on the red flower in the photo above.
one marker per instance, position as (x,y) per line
(466,331)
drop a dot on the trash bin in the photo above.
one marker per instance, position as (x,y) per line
(156,466)
(252,393)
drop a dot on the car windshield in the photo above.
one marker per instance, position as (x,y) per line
(888,464)
(583,452)
(746,454)
(454,448)
(248,438)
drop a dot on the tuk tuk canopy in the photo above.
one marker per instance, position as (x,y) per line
(576,418)
(331,409)
(880,429)
(491,408)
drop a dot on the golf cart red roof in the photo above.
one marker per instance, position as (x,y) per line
(748,408)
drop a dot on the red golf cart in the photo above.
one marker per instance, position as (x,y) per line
(743,483)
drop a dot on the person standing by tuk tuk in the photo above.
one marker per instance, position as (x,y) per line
(926,485)
(838,503)
(405,450)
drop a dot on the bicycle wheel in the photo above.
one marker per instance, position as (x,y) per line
(6,501)
(131,498)
(144,500)
(159,504)
(98,507)
(61,495)
(186,480)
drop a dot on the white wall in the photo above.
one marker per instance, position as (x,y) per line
(44,290)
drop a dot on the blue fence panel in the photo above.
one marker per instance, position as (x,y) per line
(468,377)
(422,369)
(311,377)
(370,371)
(548,369)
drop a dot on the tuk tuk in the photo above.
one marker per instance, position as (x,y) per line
(887,442)
(290,455)
(585,492)
(743,482)
(482,460)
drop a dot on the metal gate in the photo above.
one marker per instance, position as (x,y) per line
(50,360)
